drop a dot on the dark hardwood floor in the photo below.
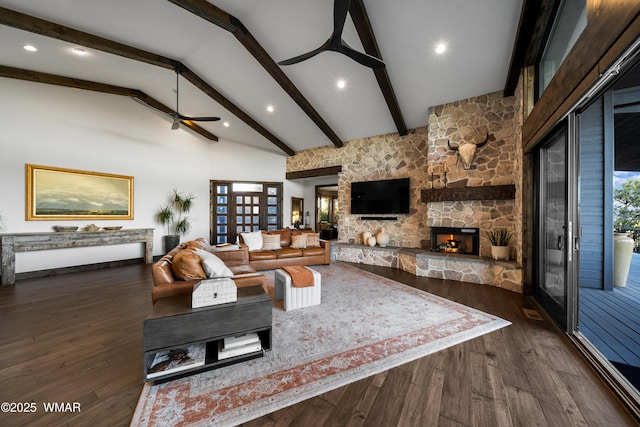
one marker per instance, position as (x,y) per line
(78,338)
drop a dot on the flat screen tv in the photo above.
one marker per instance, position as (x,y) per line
(389,196)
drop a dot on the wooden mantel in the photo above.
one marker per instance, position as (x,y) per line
(493,192)
(24,242)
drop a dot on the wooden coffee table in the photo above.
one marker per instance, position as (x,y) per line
(174,324)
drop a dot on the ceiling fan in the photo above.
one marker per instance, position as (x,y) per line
(177,117)
(335,42)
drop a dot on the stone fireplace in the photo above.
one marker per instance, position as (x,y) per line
(465,240)
(424,156)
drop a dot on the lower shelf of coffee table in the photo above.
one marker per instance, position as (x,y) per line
(211,359)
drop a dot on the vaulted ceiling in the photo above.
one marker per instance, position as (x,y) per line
(229,50)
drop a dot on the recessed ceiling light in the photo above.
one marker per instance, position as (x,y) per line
(79,51)
(226,124)
(270,108)
(30,48)
(440,48)
(341,84)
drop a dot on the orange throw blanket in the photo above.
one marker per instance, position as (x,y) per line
(301,277)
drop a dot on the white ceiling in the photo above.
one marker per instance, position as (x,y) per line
(480,36)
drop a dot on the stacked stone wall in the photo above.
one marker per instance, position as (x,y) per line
(423,155)
(381,157)
(498,162)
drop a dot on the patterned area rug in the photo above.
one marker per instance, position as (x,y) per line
(365,324)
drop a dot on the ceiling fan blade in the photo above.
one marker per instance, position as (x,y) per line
(363,58)
(198,119)
(304,56)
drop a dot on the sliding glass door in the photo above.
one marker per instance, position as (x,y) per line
(555,227)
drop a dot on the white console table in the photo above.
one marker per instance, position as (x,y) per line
(24,242)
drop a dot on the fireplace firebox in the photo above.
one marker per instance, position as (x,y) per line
(464,240)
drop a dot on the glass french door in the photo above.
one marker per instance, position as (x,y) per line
(244,207)
(556,252)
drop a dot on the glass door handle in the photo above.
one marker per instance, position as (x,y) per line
(570,240)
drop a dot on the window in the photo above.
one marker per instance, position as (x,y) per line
(244,206)
(570,20)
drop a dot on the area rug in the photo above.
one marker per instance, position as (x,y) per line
(364,325)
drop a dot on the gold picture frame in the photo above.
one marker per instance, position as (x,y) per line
(69,194)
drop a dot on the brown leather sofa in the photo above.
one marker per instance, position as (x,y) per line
(166,283)
(271,259)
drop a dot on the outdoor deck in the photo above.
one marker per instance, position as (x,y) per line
(611,319)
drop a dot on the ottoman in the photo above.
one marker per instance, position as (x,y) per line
(296,297)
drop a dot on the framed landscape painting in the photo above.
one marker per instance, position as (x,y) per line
(68,194)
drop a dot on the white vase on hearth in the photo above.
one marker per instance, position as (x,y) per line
(371,241)
(382,238)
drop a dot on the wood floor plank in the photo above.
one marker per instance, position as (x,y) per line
(501,403)
(525,408)
(387,407)
(422,403)
(344,412)
(362,408)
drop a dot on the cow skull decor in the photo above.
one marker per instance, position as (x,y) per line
(467,150)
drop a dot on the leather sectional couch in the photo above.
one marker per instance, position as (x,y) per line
(288,254)
(179,270)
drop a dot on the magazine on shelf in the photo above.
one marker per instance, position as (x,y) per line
(226,353)
(177,359)
(240,340)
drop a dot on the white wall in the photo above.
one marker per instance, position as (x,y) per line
(70,128)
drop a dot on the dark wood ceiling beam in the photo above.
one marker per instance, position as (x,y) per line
(312,173)
(365,32)
(52,79)
(526,28)
(222,19)
(203,86)
(252,45)
(35,25)
(29,23)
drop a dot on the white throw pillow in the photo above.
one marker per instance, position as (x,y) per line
(213,266)
(271,242)
(299,241)
(253,240)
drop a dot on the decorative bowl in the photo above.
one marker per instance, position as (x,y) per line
(91,227)
(112,228)
(65,228)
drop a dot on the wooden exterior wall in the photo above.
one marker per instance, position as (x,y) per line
(612,25)
(592,198)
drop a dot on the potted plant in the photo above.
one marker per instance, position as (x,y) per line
(173,217)
(499,243)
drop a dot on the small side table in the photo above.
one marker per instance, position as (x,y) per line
(295,298)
